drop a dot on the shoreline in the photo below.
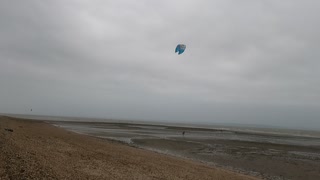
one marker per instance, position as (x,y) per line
(263,156)
(36,149)
(219,127)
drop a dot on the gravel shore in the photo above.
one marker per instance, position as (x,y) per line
(38,150)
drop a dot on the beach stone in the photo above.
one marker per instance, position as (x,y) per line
(10,130)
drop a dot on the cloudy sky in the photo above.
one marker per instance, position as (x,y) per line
(246,62)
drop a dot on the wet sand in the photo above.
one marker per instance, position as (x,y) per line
(38,150)
(268,156)
(269,161)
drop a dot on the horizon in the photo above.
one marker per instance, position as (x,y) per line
(200,124)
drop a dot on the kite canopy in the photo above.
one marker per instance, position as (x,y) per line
(180,48)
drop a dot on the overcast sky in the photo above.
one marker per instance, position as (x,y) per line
(250,61)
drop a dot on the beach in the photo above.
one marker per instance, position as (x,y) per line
(267,153)
(38,150)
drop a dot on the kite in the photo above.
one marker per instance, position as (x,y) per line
(180,48)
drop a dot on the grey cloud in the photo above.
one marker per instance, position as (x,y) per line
(244,60)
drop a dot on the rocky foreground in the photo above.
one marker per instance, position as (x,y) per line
(37,150)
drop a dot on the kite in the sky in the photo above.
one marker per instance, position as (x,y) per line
(180,48)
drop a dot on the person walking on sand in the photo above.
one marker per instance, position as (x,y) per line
(183,133)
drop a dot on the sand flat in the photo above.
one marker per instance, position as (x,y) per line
(37,150)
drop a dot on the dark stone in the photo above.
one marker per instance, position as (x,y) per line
(10,130)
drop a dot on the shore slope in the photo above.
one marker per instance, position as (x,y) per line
(37,150)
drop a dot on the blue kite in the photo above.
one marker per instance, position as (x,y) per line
(180,48)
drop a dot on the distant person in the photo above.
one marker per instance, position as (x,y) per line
(183,133)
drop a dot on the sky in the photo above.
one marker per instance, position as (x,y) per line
(246,62)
